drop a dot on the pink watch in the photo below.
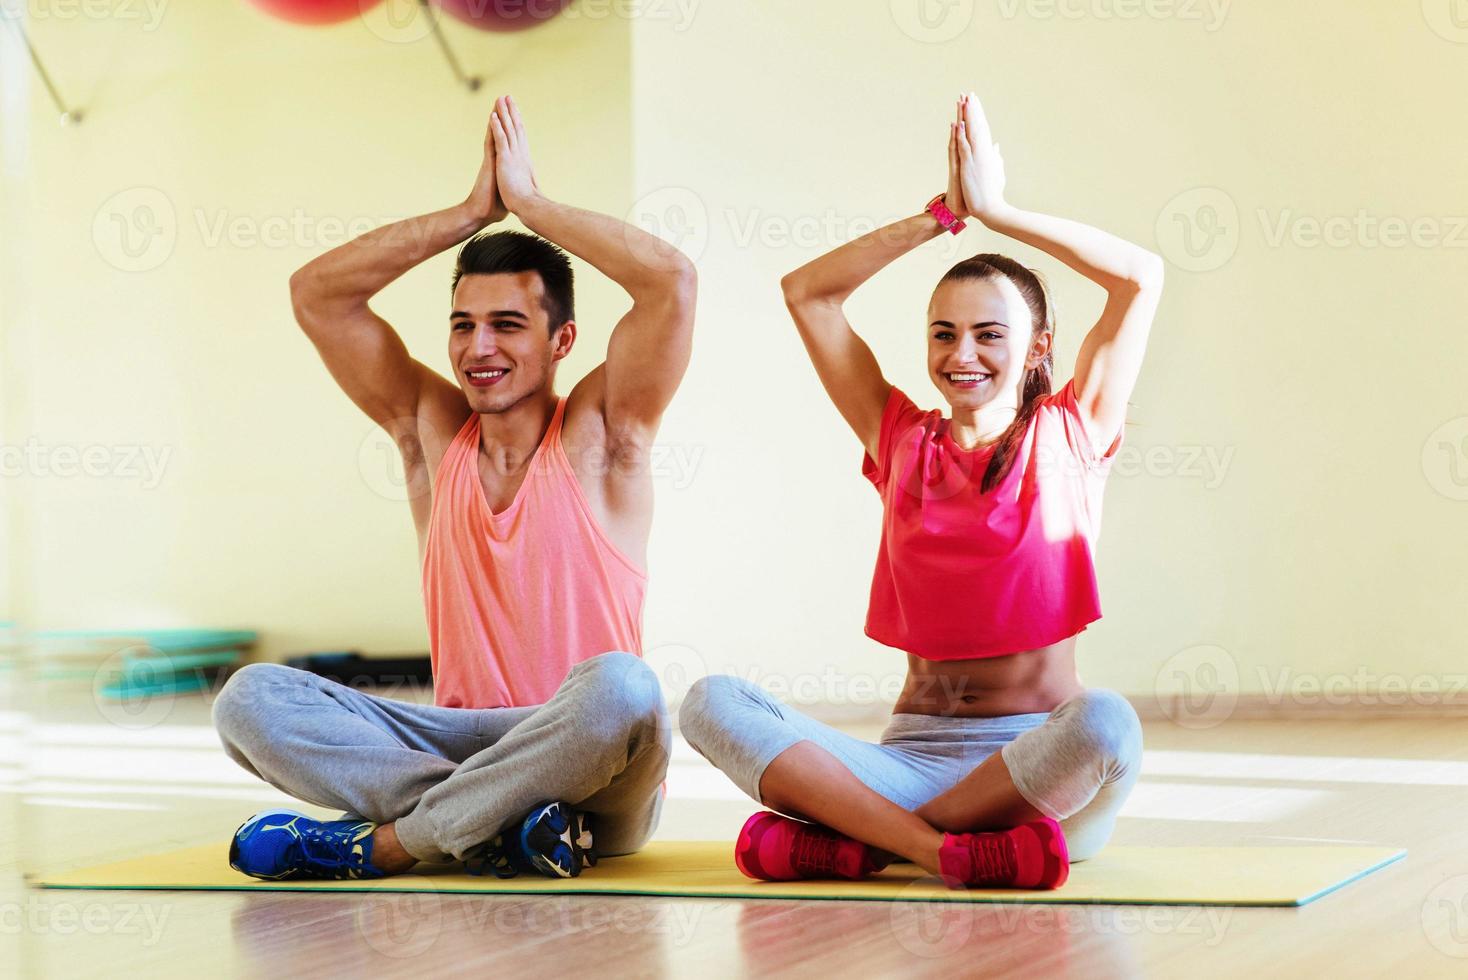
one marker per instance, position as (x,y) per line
(945,217)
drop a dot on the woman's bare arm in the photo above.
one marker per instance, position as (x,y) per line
(1110,357)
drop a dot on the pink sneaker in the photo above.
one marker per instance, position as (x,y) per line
(1032,855)
(776,848)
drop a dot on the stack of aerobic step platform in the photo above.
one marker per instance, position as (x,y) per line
(125,664)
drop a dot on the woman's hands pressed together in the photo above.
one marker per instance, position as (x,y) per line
(975,168)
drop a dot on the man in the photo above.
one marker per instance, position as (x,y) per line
(533,513)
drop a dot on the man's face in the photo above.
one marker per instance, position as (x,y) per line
(500,341)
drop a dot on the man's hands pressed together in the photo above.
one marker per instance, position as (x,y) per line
(511,147)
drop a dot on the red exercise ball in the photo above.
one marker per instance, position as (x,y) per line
(503,15)
(315,11)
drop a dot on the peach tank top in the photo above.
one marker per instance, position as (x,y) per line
(515,599)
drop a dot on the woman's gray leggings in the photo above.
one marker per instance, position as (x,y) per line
(1076,764)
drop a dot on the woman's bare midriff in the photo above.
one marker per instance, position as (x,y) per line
(1017,683)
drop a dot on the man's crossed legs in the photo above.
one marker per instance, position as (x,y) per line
(450,780)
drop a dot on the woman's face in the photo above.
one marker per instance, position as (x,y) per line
(979,338)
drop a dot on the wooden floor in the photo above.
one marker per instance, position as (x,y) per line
(83,786)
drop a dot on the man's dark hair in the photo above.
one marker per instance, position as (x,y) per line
(515,251)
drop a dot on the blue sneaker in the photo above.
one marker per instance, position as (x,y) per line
(553,840)
(282,844)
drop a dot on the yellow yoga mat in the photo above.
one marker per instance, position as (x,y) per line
(1270,876)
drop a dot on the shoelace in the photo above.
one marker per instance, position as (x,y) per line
(336,851)
(814,851)
(993,857)
(492,857)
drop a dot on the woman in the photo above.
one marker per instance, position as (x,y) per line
(998,767)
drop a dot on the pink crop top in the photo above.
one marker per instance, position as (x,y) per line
(963,574)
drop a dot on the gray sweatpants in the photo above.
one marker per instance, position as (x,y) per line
(1076,764)
(452,778)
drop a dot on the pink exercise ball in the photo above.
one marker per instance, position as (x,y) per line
(315,12)
(503,15)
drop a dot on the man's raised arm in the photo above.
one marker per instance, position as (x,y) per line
(362,351)
(649,348)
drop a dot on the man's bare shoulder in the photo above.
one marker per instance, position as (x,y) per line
(594,444)
(442,412)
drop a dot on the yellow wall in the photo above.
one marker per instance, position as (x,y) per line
(261,142)
(766,132)
(1322,370)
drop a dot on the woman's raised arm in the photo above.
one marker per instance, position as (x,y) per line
(816,291)
(1111,355)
